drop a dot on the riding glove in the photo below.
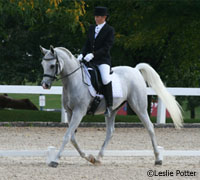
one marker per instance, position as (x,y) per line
(89,57)
(80,57)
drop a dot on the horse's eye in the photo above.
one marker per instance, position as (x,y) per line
(52,66)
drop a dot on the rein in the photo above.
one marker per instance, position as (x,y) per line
(69,74)
(57,66)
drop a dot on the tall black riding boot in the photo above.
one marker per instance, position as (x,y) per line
(109,98)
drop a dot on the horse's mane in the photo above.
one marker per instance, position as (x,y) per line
(67,51)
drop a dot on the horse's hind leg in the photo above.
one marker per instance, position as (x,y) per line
(109,132)
(110,127)
(144,117)
(149,126)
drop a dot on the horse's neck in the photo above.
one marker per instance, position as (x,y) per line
(70,62)
(70,66)
(73,87)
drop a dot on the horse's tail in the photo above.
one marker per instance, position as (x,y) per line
(154,81)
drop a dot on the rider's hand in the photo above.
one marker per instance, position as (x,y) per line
(80,57)
(89,57)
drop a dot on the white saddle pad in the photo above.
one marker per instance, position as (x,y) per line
(116,86)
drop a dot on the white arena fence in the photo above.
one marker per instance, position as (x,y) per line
(51,152)
(57,90)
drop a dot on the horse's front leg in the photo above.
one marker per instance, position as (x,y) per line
(73,138)
(76,118)
(74,142)
(110,127)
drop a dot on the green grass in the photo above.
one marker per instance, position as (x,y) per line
(28,115)
(54,102)
(43,116)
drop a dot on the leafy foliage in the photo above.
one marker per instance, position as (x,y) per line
(164,34)
(25,25)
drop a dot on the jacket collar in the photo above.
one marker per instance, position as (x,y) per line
(101,25)
(101,31)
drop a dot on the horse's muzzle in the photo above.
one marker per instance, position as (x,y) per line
(46,85)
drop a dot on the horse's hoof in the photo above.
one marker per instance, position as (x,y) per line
(53,164)
(93,160)
(97,162)
(158,163)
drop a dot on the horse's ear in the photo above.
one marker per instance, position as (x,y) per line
(43,50)
(52,49)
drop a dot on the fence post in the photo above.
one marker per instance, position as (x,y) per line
(161,149)
(161,112)
(42,102)
(63,112)
(51,154)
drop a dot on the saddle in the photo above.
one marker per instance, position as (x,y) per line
(95,77)
(97,83)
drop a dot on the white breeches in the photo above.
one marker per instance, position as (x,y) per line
(105,73)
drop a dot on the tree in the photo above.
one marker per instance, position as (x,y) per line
(164,34)
(25,24)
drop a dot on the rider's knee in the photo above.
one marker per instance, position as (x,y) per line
(105,80)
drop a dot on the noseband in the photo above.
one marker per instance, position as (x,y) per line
(57,66)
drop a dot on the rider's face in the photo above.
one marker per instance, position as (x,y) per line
(100,19)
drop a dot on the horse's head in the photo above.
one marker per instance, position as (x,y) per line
(51,66)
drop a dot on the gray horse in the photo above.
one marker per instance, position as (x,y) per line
(76,97)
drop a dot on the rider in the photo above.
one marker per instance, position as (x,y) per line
(97,48)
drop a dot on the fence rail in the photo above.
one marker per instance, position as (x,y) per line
(57,90)
(51,152)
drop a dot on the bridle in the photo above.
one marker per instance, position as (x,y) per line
(57,67)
